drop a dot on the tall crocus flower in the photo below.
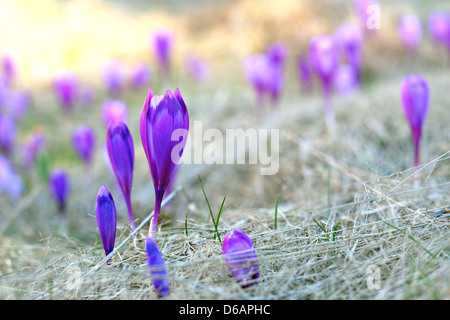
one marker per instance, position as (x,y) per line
(410,31)
(140,76)
(157,267)
(59,186)
(324,55)
(7,133)
(240,256)
(439,28)
(10,181)
(164,128)
(119,144)
(105,212)
(66,88)
(83,141)
(162,42)
(415,99)
(114,111)
(350,40)
(113,74)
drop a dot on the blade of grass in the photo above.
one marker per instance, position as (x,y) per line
(323,229)
(210,211)
(185,223)
(276,213)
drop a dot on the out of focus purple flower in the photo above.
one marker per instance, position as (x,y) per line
(439,28)
(157,266)
(18,103)
(162,42)
(324,57)
(10,181)
(305,73)
(7,133)
(4,92)
(346,80)
(105,212)
(366,12)
(276,53)
(66,88)
(410,30)
(83,141)
(9,68)
(113,111)
(59,186)
(119,144)
(164,126)
(196,67)
(259,73)
(240,256)
(113,74)
(141,76)
(34,144)
(86,96)
(415,99)
(350,40)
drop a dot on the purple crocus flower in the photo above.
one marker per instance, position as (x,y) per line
(415,99)
(119,144)
(18,103)
(162,42)
(114,111)
(276,53)
(83,141)
(324,55)
(305,74)
(34,144)
(196,67)
(59,186)
(10,181)
(157,267)
(259,72)
(7,133)
(140,76)
(410,30)
(164,128)
(113,74)
(66,89)
(240,256)
(439,28)
(9,68)
(105,212)
(350,40)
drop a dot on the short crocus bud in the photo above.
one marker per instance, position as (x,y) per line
(113,75)
(157,267)
(105,212)
(10,181)
(439,28)
(415,99)
(410,30)
(140,76)
(162,42)
(66,89)
(59,186)
(164,126)
(83,141)
(240,256)
(114,111)
(119,144)
(7,133)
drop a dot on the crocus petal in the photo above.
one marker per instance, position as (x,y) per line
(157,267)
(105,212)
(240,256)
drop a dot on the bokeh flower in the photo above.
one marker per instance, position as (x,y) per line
(83,142)
(346,80)
(59,186)
(66,88)
(162,42)
(305,73)
(350,41)
(439,28)
(157,267)
(113,74)
(10,182)
(34,144)
(141,76)
(8,133)
(195,67)
(410,31)
(105,212)
(114,111)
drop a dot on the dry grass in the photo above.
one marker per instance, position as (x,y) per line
(358,184)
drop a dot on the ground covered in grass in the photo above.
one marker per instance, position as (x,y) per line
(354,220)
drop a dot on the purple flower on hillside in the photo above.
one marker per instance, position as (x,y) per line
(7,133)
(141,76)
(439,28)
(119,144)
(164,128)
(114,111)
(162,42)
(105,212)
(10,181)
(34,144)
(66,88)
(59,186)
(83,141)
(240,256)
(113,74)
(157,267)
(415,99)
(410,30)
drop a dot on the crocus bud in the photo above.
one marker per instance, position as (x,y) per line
(415,99)
(164,126)
(140,76)
(162,42)
(66,86)
(119,144)
(83,141)
(7,133)
(10,181)
(114,111)
(439,28)
(105,212)
(59,186)
(410,30)
(240,256)
(113,75)
(157,267)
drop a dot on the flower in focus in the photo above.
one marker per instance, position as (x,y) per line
(10,181)
(140,76)
(157,267)
(59,186)
(7,134)
(83,141)
(113,75)
(162,42)
(114,111)
(415,99)
(105,212)
(240,256)
(119,144)
(164,126)
(410,30)
(66,89)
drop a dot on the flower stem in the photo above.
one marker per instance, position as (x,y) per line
(328,109)
(130,212)
(154,221)
(416,153)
